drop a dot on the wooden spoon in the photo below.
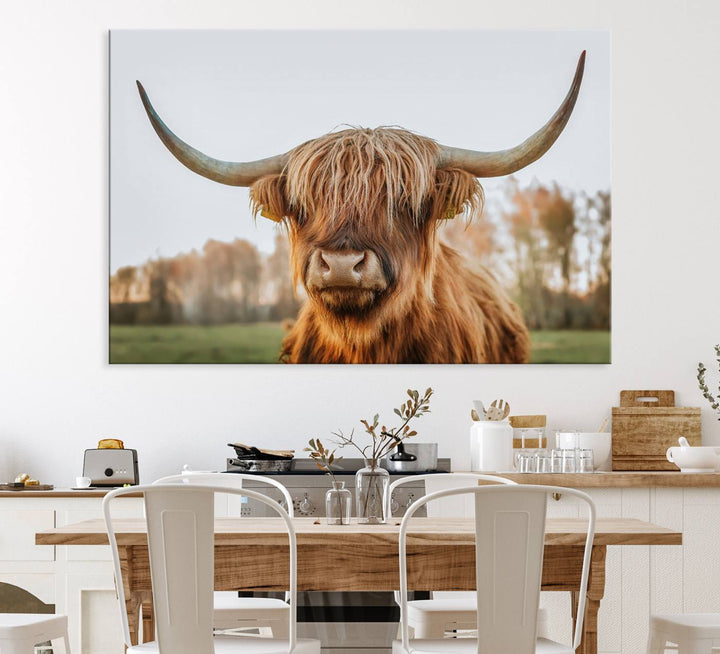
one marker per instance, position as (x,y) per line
(498,410)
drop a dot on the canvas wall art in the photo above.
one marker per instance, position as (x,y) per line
(388,197)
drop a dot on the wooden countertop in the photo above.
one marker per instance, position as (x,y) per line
(59,493)
(269,532)
(642,479)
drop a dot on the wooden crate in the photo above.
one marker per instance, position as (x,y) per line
(643,429)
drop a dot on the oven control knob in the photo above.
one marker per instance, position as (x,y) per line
(306,506)
(108,472)
(394,505)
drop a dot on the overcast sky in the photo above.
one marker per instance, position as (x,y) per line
(244,95)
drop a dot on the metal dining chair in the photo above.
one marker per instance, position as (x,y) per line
(693,633)
(231,611)
(21,632)
(509,545)
(451,611)
(180,521)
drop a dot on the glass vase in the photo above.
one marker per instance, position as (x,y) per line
(338,501)
(371,484)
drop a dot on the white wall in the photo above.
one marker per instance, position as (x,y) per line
(58,395)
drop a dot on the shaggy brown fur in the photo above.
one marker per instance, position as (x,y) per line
(379,190)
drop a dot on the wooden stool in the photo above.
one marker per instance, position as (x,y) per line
(694,633)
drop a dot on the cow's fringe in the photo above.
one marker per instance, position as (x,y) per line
(356,171)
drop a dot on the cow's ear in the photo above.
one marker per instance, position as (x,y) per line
(267,197)
(265,213)
(456,192)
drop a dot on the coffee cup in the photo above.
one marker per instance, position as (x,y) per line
(82,482)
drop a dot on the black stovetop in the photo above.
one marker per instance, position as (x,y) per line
(345,467)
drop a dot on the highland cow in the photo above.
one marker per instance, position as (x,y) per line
(362,208)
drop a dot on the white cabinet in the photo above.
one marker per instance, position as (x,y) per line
(17,536)
(644,579)
(78,580)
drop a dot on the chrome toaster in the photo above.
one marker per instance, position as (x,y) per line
(111,467)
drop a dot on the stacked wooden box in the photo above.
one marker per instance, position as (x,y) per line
(645,425)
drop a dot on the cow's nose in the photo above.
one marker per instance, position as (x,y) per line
(342,267)
(345,268)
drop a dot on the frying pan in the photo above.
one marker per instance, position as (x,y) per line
(261,465)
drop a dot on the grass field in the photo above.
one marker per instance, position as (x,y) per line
(570,346)
(254,343)
(260,343)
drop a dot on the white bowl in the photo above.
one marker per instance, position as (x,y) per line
(599,442)
(694,459)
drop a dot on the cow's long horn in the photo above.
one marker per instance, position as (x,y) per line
(505,162)
(225,172)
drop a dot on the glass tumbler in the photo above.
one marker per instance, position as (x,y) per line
(521,456)
(526,461)
(585,461)
(568,461)
(543,461)
(539,433)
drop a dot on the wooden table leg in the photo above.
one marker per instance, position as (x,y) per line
(133,606)
(138,601)
(596,591)
(148,617)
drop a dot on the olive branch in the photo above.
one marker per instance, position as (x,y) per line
(714,400)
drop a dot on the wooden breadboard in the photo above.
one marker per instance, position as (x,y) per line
(645,425)
(45,487)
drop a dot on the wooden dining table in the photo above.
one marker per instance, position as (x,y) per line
(251,554)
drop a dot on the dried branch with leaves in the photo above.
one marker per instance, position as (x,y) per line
(385,439)
(714,400)
(323,457)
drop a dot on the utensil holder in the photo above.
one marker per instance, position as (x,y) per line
(491,446)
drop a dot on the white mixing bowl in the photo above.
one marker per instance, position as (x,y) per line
(695,459)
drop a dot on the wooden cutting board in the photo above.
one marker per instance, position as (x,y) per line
(45,487)
(645,425)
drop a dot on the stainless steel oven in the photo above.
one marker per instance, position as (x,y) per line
(344,622)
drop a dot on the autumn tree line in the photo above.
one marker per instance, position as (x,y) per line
(224,283)
(550,247)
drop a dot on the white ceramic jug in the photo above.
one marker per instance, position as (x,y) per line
(491,446)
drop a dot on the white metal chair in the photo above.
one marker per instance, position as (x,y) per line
(445,611)
(509,545)
(231,611)
(693,633)
(20,632)
(180,529)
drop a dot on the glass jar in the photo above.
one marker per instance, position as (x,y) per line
(338,501)
(371,486)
